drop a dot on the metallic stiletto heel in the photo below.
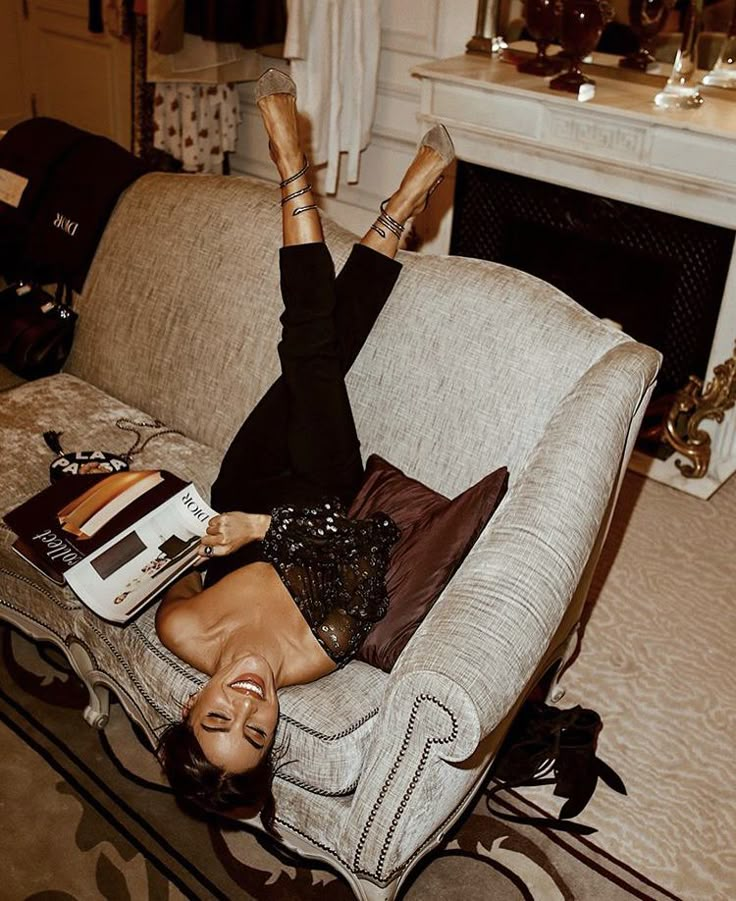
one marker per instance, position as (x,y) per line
(439,140)
(274,81)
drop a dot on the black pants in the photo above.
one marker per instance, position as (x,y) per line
(299,443)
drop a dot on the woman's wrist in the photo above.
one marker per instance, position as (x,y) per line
(261,525)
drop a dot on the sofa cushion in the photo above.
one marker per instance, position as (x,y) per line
(436,534)
(324,729)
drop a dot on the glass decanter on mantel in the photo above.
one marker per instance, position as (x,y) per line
(681,90)
(723,74)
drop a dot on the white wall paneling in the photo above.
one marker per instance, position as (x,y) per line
(410,25)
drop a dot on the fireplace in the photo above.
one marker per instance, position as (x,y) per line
(660,276)
(629,209)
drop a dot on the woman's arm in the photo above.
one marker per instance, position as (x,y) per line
(229,531)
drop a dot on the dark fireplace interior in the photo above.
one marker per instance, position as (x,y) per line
(660,276)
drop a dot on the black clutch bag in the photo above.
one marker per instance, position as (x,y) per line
(36,330)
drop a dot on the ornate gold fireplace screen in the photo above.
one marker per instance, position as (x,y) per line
(691,405)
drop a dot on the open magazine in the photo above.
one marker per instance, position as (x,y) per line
(117,540)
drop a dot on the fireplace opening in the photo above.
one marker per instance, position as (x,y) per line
(661,277)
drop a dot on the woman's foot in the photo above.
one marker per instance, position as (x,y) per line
(434,155)
(276,100)
(423,176)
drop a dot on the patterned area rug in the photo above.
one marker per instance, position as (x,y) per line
(87,815)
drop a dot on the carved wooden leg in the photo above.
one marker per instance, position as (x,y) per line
(367,891)
(555,692)
(97,712)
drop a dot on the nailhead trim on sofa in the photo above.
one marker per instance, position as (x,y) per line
(412,785)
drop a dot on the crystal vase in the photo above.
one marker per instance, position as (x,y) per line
(681,90)
(543,24)
(723,74)
(581,27)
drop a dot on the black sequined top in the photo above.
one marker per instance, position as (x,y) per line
(334,567)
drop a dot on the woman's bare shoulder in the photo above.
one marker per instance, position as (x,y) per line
(177,616)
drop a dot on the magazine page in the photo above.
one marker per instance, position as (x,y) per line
(120,580)
(78,515)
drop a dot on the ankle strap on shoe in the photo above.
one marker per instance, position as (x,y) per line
(396,228)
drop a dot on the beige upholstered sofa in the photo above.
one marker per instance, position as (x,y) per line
(471,366)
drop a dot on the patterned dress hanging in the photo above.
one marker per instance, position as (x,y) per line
(196,124)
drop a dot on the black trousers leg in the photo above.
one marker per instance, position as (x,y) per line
(257,471)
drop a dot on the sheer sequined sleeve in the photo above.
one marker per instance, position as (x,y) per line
(335,569)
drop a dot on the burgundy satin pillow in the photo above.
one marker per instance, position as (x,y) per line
(436,535)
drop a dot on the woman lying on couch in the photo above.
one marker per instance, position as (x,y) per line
(291,590)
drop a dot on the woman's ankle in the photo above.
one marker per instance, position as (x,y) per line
(289,163)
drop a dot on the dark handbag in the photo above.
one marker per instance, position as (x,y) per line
(36,330)
(550,746)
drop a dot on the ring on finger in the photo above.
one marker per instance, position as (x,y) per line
(209,550)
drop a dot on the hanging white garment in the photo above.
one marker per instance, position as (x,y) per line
(334,47)
(196,123)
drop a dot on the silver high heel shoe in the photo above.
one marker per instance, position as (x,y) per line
(274,81)
(438,139)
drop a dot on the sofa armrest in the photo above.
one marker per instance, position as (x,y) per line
(484,639)
(428,725)
(494,621)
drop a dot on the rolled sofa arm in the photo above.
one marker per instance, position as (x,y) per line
(428,724)
(480,645)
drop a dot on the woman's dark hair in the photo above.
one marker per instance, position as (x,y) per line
(199,783)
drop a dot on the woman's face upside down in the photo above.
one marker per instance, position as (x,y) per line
(234,716)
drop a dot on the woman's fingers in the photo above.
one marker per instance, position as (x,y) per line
(213,546)
(226,532)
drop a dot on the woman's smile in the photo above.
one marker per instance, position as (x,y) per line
(249,683)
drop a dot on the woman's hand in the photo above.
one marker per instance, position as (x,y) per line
(229,531)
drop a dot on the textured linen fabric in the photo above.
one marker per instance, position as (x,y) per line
(470,367)
(190,267)
(481,642)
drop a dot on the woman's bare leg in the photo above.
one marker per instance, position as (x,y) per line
(300,217)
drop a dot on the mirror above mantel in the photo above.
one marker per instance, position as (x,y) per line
(501,25)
